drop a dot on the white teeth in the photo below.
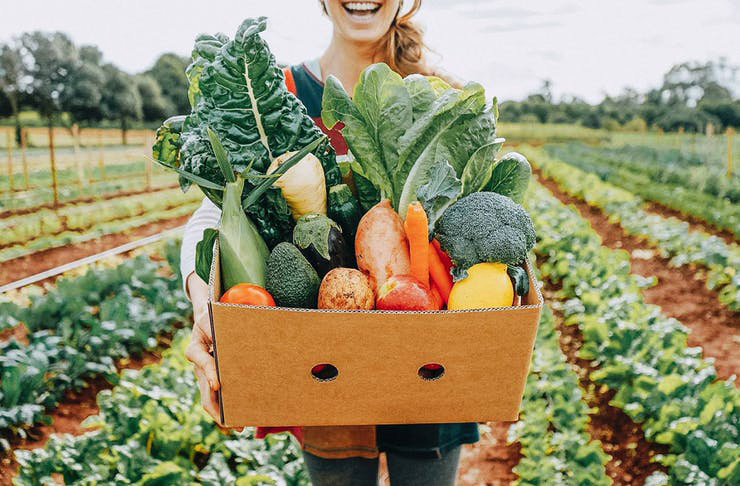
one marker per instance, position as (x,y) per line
(361,6)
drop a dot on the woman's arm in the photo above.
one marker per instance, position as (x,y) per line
(206,216)
(199,350)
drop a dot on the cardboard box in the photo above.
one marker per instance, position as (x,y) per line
(265,358)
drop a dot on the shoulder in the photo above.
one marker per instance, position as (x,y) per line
(306,86)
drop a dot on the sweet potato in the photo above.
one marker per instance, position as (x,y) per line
(381,246)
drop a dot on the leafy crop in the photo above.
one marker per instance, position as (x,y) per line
(672,237)
(151,430)
(640,353)
(668,177)
(552,427)
(77,330)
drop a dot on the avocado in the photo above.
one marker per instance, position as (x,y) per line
(290,279)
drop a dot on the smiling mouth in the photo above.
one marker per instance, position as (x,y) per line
(361,9)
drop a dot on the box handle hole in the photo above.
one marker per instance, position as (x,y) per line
(324,372)
(431,371)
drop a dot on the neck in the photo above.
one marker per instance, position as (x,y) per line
(346,60)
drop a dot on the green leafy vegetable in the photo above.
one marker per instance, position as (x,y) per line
(398,129)
(511,176)
(441,190)
(237,90)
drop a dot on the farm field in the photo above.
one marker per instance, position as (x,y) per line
(632,378)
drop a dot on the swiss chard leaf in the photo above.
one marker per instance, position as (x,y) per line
(511,176)
(439,192)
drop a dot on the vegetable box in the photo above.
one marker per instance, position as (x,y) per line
(381,367)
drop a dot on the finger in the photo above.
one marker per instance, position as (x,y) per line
(208,399)
(205,363)
(197,353)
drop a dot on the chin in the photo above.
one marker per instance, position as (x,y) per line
(365,21)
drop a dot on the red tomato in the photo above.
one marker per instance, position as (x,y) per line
(248,294)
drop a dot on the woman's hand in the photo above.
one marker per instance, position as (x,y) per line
(199,350)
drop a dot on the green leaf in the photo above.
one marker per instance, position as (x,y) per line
(204,254)
(440,191)
(221,156)
(452,130)
(477,172)
(511,176)
(422,93)
(374,121)
(191,177)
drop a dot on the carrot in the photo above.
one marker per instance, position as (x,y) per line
(442,255)
(437,297)
(417,232)
(440,275)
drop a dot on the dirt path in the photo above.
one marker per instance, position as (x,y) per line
(40,261)
(490,461)
(680,292)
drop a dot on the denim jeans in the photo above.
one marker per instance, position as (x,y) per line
(403,470)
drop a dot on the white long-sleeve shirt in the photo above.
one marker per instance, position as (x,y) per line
(206,216)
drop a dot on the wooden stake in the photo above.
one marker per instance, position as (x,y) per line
(101,162)
(9,148)
(730,133)
(53,167)
(78,158)
(148,162)
(24,144)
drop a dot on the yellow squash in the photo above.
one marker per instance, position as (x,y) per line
(487,285)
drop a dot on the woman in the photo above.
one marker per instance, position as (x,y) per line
(363,33)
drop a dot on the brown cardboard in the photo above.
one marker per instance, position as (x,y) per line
(264,358)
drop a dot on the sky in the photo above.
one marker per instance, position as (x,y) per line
(586,48)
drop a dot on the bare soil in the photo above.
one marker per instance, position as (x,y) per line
(680,292)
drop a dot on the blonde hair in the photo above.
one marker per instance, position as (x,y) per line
(402,47)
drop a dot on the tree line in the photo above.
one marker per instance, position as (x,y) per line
(692,96)
(47,73)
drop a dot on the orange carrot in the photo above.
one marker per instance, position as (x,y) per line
(417,232)
(440,275)
(442,255)
(437,297)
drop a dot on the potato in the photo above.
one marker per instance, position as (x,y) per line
(346,289)
(381,246)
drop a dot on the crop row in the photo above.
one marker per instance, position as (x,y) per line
(26,200)
(77,330)
(552,427)
(152,430)
(101,229)
(673,238)
(642,355)
(705,193)
(82,217)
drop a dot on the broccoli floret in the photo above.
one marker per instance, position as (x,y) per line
(484,227)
